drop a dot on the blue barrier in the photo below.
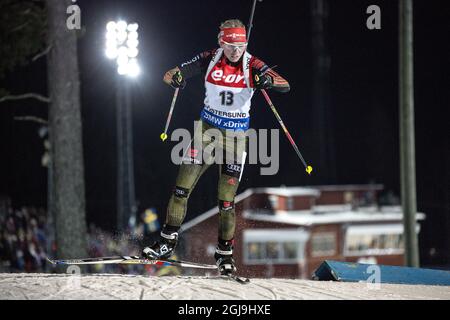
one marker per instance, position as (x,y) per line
(357,272)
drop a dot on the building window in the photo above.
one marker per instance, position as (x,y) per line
(271,251)
(290,250)
(274,201)
(323,244)
(274,246)
(290,203)
(256,251)
(373,244)
(348,197)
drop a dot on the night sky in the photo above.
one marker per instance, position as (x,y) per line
(364,103)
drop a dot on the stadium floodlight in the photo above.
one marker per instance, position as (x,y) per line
(112,52)
(122,61)
(122,37)
(121,26)
(111,36)
(133,35)
(122,70)
(111,26)
(133,52)
(133,27)
(133,68)
(122,46)
(132,43)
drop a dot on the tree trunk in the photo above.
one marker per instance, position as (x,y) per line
(65,134)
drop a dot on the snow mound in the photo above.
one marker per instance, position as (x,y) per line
(136,287)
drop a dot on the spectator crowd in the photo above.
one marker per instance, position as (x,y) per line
(26,240)
(23,240)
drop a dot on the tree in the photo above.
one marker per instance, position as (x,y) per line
(22,25)
(30,30)
(22,34)
(65,133)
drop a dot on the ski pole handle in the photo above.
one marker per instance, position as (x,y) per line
(288,135)
(172,106)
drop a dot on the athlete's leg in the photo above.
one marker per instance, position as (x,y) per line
(229,178)
(230,175)
(164,247)
(188,176)
(195,163)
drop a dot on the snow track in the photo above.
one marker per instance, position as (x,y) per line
(136,287)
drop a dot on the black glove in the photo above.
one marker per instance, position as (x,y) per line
(178,81)
(262,80)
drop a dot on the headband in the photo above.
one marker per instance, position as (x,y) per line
(233,35)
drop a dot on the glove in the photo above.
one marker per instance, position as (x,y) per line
(178,80)
(175,79)
(262,81)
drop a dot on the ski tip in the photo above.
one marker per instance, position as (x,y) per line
(241,280)
(50,260)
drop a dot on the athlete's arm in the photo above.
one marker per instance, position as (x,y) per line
(275,81)
(195,66)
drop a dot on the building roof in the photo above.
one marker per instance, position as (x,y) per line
(306,218)
(330,208)
(348,187)
(288,191)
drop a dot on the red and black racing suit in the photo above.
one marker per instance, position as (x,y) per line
(230,174)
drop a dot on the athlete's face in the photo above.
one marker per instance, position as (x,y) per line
(233,52)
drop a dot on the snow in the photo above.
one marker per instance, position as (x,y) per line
(135,287)
(289,191)
(306,218)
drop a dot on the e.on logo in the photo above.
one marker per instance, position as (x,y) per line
(218,75)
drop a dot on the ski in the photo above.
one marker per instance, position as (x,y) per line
(132,260)
(142,260)
(236,278)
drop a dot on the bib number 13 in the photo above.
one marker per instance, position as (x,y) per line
(227,98)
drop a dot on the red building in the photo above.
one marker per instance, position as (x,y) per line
(289,231)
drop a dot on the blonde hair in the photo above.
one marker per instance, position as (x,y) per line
(231,23)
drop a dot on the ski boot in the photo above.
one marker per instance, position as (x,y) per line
(224,257)
(164,247)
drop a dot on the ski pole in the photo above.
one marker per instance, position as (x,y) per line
(164,134)
(250,24)
(307,167)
